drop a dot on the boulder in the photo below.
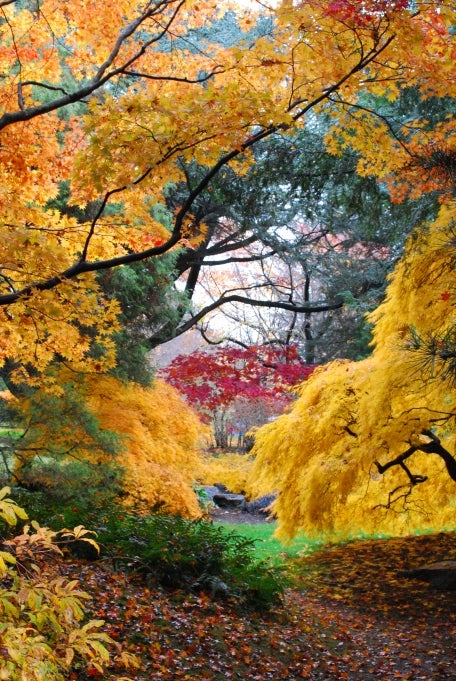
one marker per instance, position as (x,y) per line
(260,505)
(227,500)
(441,575)
(209,491)
(221,487)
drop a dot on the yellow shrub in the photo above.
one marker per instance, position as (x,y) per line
(41,618)
(231,470)
(161,435)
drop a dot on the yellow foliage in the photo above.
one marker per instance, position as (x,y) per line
(41,627)
(124,142)
(321,456)
(231,470)
(161,436)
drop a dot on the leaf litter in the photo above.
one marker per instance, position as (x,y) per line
(349,616)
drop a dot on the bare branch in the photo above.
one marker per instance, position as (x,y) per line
(223,300)
(228,261)
(149,76)
(432,447)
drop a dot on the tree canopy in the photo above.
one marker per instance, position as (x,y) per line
(369,445)
(117,108)
(237,388)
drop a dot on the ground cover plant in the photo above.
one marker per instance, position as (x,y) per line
(172,551)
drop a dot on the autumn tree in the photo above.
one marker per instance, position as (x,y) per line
(216,381)
(147,107)
(370,445)
(150,432)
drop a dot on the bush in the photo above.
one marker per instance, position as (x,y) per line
(163,549)
(42,629)
(70,493)
(194,555)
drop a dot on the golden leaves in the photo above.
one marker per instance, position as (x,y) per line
(167,102)
(161,436)
(320,456)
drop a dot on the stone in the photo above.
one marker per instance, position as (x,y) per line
(227,500)
(209,491)
(221,487)
(441,575)
(260,505)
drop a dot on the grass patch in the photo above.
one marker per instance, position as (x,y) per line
(11,431)
(268,547)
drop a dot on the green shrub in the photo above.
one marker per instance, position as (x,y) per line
(168,550)
(194,555)
(70,493)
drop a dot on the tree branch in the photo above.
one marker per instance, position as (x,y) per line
(223,300)
(432,447)
(82,265)
(103,75)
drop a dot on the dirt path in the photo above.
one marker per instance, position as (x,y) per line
(237,517)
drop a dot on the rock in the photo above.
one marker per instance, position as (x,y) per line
(260,505)
(209,491)
(441,575)
(229,500)
(221,487)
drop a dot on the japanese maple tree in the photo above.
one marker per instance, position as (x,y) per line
(370,445)
(114,107)
(213,381)
(112,102)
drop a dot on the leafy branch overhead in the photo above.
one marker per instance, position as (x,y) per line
(122,104)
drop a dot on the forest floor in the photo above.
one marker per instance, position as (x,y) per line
(350,616)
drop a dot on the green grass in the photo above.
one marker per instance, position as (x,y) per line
(269,547)
(10,431)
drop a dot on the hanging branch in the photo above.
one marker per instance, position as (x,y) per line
(432,447)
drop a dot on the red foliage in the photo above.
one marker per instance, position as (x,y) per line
(210,380)
(363,13)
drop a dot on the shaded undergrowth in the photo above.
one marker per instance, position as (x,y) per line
(352,617)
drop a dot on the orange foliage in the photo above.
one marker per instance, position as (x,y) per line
(100,105)
(150,432)
(161,436)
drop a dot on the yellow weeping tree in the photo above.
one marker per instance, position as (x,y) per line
(161,436)
(150,432)
(369,445)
